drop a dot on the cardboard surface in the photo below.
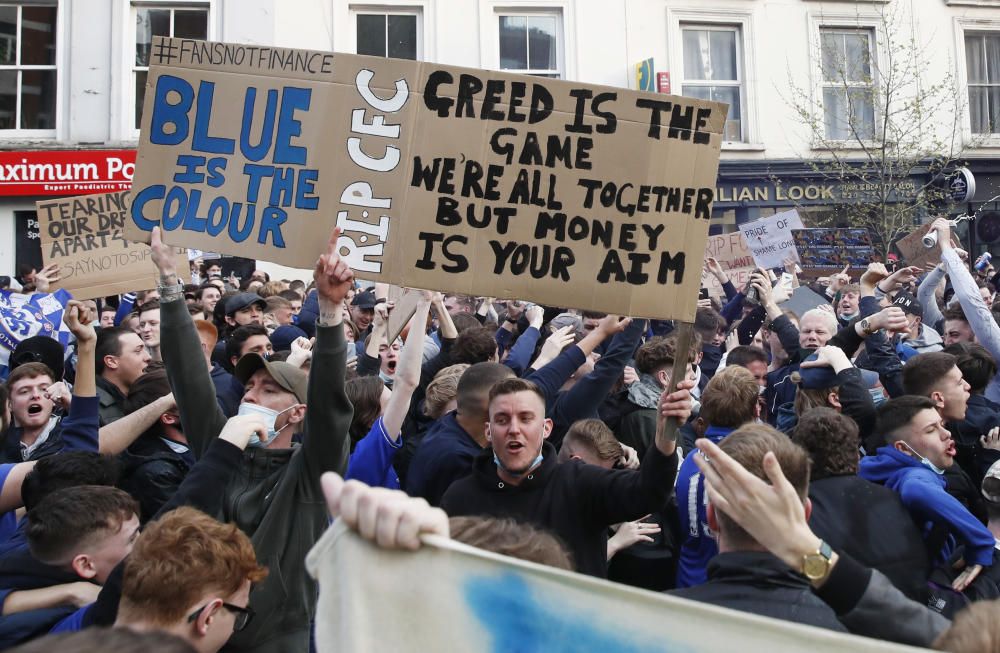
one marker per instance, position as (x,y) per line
(445,178)
(770,239)
(399,316)
(83,236)
(911,248)
(734,256)
(804,299)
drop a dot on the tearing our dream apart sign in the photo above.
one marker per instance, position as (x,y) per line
(83,236)
(441,177)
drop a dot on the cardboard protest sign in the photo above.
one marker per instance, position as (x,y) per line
(83,236)
(804,299)
(827,251)
(399,316)
(445,178)
(911,248)
(735,258)
(770,239)
(482,601)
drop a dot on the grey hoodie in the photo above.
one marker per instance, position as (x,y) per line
(929,340)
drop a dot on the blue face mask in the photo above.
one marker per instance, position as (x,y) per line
(534,463)
(926,463)
(878,396)
(269,415)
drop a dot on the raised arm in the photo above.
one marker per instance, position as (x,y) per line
(368,365)
(520,354)
(201,417)
(326,446)
(976,311)
(625,495)
(117,436)
(926,292)
(586,395)
(446,325)
(407,370)
(80,427)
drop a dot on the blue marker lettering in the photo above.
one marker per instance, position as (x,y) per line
(202,142)
(271,219)
(139,202)
(167,113)
(292,99)
(260,150)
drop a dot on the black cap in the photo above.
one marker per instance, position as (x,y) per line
(39,349)
(909,304)
(365,300)
(241,300)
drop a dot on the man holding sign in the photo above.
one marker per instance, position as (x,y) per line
(275,497)
(519,476)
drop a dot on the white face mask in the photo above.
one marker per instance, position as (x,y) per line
(934,468)
(269,415)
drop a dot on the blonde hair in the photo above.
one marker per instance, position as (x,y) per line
(596,436)
(730,398)
(443,389)
(271,289)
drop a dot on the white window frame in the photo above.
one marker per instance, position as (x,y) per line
(825,84)
(123,66)
(560,68)
(489,31)
(962,26)
(846,21)
(60,67)
(388,10)
(738,83)
(742,22)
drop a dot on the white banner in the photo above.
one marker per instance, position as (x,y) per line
(448,597)
(770,239)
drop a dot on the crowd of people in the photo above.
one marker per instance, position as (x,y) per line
(164,476)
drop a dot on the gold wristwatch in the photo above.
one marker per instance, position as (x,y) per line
(816,566)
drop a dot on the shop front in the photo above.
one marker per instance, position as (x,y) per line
(32,175)
(748,190)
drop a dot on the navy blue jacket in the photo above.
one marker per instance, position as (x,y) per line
(228,391)
(586,396)
(77,431)
(981,415)
(759,583)
(444,456)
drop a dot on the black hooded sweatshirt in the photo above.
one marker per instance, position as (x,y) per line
(574,501)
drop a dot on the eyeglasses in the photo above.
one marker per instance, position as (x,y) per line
(243,615)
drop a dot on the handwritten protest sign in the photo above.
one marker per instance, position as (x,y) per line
(487,602)
(442,177)
(83,236)
(770,239)
(735,258)
(911,248)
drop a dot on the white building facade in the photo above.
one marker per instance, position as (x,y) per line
(72,73)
